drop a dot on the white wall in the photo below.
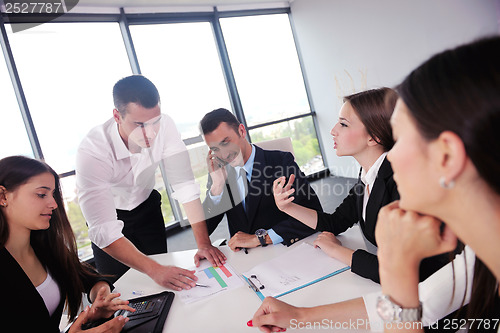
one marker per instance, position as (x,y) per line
(377,43)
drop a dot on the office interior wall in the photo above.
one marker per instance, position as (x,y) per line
(353,45)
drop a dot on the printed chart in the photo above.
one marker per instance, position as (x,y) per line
(213,280)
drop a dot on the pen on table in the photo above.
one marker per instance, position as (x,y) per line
(243,248)
(202,285)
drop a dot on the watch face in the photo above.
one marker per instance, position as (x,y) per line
(385,309)
(261,232)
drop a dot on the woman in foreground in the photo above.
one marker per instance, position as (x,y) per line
(41,271)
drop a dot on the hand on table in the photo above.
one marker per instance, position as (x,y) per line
(274,315)
(242,240)
(173,277)
(328,243)
(212,254)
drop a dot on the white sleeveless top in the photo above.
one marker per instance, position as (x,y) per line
(50,292)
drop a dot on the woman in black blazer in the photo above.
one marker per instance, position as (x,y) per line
(363,132)
(41,271)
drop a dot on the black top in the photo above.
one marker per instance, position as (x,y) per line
(261,210)
(349,212)
(22,305)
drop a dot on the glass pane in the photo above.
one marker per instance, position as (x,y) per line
(12,131)
(183,63)
(75,217)
(266,67)
(198,156)
(68,71)
(166,209)
(304,141)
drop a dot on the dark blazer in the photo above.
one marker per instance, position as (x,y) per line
(261,210)
(350,211)
(23,306)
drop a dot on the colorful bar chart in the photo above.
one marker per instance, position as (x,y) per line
(217,279)
(212,273)
(225,271)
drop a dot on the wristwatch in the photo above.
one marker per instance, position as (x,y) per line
(392,312)
(261,235)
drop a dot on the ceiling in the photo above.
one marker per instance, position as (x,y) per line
(163,3)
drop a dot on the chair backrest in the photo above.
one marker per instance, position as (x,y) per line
(283,144)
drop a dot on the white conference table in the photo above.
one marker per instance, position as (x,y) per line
(229,311)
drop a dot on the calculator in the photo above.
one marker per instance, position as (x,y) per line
(145,308)
(140,308)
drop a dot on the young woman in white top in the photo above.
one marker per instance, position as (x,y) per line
(41,271)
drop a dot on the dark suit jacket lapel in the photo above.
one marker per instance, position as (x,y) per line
(377,195)
(256,185)
(359,191)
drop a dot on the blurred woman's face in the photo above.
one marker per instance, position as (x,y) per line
(417,182)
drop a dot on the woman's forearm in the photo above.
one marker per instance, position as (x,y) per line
(305,215)
(337,315)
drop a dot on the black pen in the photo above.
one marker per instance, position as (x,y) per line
(244,249)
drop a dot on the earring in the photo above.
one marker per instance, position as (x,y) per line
(443,184)
(4,204)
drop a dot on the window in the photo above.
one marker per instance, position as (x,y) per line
(270,83)
(266,67)
(182,61)
(67,71)
(13,132)
(304,141)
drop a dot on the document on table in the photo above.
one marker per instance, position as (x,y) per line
(293,270)
(215,280)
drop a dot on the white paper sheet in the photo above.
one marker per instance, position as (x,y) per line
(293,270)
(215,286)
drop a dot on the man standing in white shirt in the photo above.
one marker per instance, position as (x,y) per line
(116,164)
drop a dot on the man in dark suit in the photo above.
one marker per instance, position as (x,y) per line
(240,186)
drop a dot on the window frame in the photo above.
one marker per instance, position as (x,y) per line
(125,21)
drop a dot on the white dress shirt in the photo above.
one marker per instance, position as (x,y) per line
(110,177)
(368,178)
(435,292)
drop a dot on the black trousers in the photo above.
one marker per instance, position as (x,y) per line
(144,227)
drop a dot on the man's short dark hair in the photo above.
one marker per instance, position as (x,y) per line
(135,89)
(214,118)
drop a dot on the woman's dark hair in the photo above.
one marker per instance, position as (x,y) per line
(55,247)
(135,89)
(374,108)
(459,91)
